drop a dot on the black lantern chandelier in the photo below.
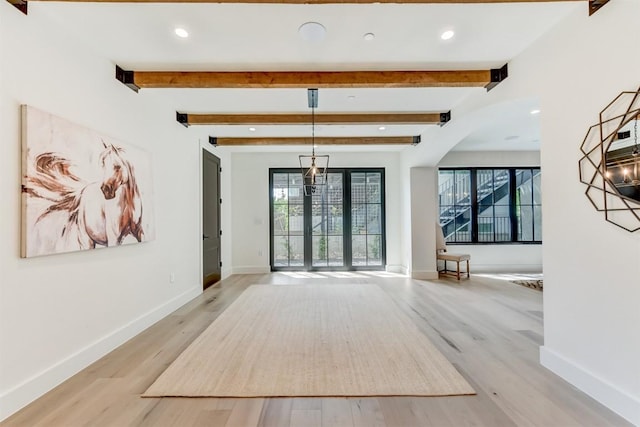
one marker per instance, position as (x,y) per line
(313,167)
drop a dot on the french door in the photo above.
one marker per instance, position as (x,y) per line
(340,228)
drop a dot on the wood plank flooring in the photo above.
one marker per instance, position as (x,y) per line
(490,330)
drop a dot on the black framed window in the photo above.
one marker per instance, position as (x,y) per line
(366,218)
(341,228)
(287,220)
(490,205)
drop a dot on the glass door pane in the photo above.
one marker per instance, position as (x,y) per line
(366,219)
(341,227)
(326,224)
(287,213)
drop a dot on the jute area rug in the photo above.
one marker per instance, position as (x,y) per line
(311,340)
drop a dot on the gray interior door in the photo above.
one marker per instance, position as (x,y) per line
(210,219)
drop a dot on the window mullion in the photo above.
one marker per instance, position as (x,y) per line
(474,205)
(346,220)
(513,214)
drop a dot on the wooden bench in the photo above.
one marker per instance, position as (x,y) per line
(444,256)
(457,258)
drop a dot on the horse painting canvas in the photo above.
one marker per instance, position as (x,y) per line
(81,190)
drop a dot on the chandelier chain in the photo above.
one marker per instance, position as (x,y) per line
(313,131)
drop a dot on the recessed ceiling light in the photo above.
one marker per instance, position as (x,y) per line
(252,129)
(446,35)
(534,112)
(312,31)
(351,97)
(369,36)
(181,32)
(382,128)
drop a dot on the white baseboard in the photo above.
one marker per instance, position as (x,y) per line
(400,269)
(619,401)
(21,395)
(424,275)
(252,269)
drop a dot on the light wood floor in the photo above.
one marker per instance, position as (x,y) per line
(490,330)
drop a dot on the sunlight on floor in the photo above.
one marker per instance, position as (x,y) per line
(339,274)
(303,275)
(383,274)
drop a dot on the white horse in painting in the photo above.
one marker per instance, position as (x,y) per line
(86,214)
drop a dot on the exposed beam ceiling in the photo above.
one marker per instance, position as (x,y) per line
(314,1)
(310,79)
(594,5)
(386,140)
(323,119)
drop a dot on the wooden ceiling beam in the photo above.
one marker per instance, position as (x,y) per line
(21,5)
(322,1)
(323,119)
(385,140)
(310,79)
(595,5)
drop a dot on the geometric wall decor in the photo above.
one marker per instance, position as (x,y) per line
(80,189)
(610,166)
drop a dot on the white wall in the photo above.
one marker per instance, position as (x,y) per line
(424,214)
(591,267)
(490,159)
(589,306)
(506,258)
(497,258)
(250,203)
(59,313)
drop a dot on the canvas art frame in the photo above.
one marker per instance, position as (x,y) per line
(81,190)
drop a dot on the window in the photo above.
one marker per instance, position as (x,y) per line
(287,220)
(366,218)
(490,205)
(341,228)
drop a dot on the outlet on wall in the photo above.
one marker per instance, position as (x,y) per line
(172,277)
(259,252)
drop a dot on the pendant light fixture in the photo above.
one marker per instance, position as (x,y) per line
(313,167)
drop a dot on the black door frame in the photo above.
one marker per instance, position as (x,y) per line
(307,220)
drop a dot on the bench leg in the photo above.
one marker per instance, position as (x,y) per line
(458,269)
(468,274)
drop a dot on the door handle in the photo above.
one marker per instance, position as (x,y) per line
(204,236)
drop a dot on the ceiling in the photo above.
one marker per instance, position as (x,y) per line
(264,37)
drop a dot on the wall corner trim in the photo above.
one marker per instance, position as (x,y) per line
(619,401)
(21,395)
